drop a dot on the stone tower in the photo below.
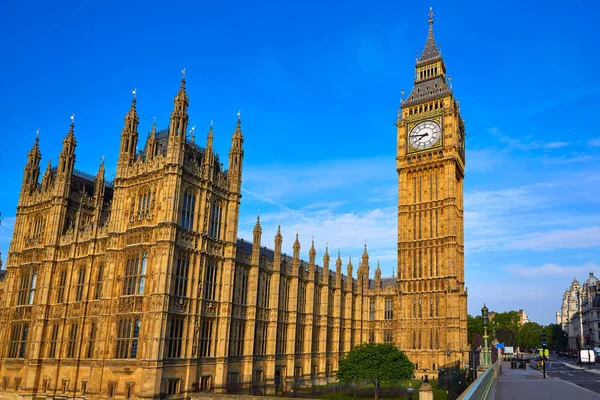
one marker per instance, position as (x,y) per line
(430,165)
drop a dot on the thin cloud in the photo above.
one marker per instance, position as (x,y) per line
(594,142)
(552,270)
(559,239)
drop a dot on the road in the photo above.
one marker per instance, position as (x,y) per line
(573,373)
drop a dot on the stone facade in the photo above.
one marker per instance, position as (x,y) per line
(140,288)
(580,313)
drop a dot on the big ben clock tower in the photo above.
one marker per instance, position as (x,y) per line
(431,164)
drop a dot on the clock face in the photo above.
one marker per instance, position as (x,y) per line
(424,135)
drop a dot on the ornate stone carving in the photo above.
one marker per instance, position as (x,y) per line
(209,308)
(178,305)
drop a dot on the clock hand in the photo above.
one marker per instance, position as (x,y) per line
(420,136)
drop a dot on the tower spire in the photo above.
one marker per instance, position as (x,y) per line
(430,51)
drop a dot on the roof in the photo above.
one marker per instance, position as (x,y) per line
(591,281)
(427,90)
(430,51)
(246,247)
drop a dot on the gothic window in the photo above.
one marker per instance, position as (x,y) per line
(134,280)
(180,277)
(91,339)
(260,343)
(420,308)
(372,310)
(144,201)
(127,338)
(18,340)
(26,290)
(80,282)
(187,210)
(52,342)
(437,305)
(389,308)
(431,306)
(299,339)
(206,338)
(216,213)
(236,344)
(281,345)
(210,281)
(388,337)
(284,294)
(32,286)
(60,290)
(174,338)
(371,337)
(315,340)
(301,298)
(72,341)
(98,294)
(39,224)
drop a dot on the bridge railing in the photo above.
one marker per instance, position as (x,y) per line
(481,388)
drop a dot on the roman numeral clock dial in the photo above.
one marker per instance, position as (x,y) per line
(424,135)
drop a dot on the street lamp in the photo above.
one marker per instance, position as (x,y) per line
(410,390)
(485,361)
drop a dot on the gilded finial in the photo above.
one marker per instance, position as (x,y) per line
(183,74)
(37,134)
(211,123)
(430,15)
(73,119)
(239,114)
(134,92)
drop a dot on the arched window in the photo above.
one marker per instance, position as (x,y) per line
(26,289)
(180,277)
(32,287)
(144,201)
(127,338)
(134,279)
(187,210)
(216,214)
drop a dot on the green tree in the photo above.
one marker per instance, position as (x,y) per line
(530,335)
(507,325)
(474,326)
(556,337)
(376,363)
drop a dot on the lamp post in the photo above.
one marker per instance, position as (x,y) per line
(410,390)
(485,353)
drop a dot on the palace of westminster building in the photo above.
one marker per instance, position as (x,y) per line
(140,287)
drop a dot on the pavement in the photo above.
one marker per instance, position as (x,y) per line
(516,384)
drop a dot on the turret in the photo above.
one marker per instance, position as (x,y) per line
(129,137)
(256,243)
(364,269)
(236,156)
(338,270)
(99,186)
(378,277)
(66,162)
(349,267)
(151,149)
(32,168)
(277,250)
(296,256)
(47,177)
(209,157)
(326,260)
(312,253)
(179,116)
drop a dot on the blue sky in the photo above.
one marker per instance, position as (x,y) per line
(319,84)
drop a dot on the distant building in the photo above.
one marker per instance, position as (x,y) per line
(524,317)
(580,313)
